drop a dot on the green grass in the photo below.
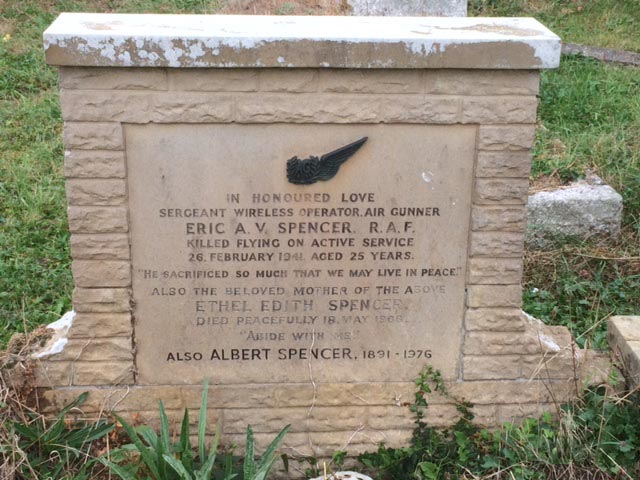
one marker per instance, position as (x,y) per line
(35,281)
(605,23)
(589,119)
(595,438)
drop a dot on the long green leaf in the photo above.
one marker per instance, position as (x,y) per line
(205,470)
(78,401)
(269,455)
(202,421)
(163,446)
(178,467)
(82,436)
(144,451)
(228,466)
(249,467)
(148,434)
(186,454)
(207,466)
(164,429)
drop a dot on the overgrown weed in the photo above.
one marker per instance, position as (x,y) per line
(596,437)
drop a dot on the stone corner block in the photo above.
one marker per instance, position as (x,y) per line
(94,164)
(101,300)
(580,210)
(97,192)
(481,296)
(624,340)
(101,273)
(90,219)
(93,135)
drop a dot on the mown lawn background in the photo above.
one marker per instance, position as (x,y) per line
(589,121)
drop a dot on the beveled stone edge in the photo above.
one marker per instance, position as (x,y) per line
(180,41)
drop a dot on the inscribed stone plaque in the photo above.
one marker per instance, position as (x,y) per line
(243,277)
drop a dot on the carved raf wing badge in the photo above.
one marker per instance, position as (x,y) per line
(312,169)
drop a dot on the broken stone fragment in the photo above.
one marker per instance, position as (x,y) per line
(584,209)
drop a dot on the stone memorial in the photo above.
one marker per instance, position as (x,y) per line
(306,211)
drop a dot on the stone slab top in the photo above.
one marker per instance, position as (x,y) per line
(219,41)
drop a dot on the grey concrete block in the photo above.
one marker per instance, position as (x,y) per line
(582,210)
(417,8)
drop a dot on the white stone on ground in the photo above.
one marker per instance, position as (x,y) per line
(437,8)
(583,209)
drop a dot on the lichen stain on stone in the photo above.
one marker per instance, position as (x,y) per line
(101,26)
(501,29)
(190,53)
(511,56)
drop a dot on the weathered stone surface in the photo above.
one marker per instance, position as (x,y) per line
(499,109)
(101,300)
(503,164)
(496,271)
(507,137)
(214,80)
(498,367)
(99,192)
(103,246)
(479,296)
(192,107)
(375,81)
(146,397)
(499,218)
(98,219)
(101,273)
(294,81)
(437,8)
(112,79)
(175,162)
(325,419)
(269,108)
(556,365)
(418,109)
(94,164)
(548,339)
(580,210)
(481,82)
(98,325)
(143,107)
(624,327)
(525,391)
(105,106)
(497,343)
(497,244)
(117,349)
(338,42)
(84,373)
(93,136)
(497,319)
(624,340)
(503,191)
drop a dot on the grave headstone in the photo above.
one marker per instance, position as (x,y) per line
(307,211)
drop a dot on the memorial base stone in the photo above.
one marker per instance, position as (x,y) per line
(194,256)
